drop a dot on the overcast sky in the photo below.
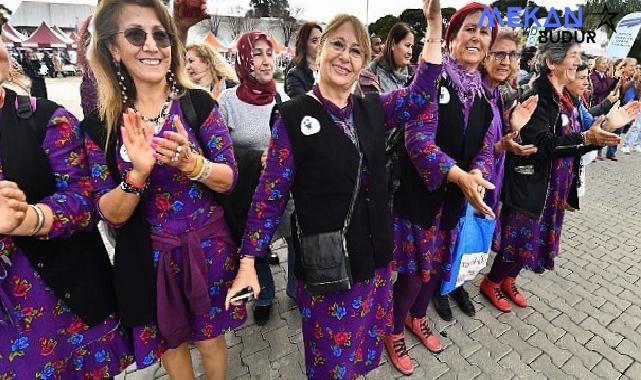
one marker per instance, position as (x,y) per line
(324,10)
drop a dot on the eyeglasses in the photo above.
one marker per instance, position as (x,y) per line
(500,55)
(137,37)
(339,46)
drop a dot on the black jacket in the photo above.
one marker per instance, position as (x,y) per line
(526,181)
(299,81)
(325,178)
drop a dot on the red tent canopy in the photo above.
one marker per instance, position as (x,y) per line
(44,36)
(63,36)
(10,36)
(214,42)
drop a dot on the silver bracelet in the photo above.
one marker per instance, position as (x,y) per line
(205,172)
(40,222)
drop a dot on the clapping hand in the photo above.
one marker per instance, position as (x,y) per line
(597,136)
(613,97)
(523,112)
(173,148)
(13,207)
(507,143)
(137,137)
(620,116)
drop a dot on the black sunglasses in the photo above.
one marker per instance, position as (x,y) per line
(137,37)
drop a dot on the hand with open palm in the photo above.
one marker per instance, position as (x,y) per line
(522,113)
(620,116)
(13,207)
(137,137)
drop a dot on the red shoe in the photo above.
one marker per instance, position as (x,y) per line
(422,330)
(495,295)
(509,288)
(395,345)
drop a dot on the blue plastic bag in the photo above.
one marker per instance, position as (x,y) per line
(471,250)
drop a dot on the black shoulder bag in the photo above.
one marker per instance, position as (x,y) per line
(324,257)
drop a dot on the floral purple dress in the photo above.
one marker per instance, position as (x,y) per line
(342,332)
(175,206)
(422,251)
(40,338)
(534,243)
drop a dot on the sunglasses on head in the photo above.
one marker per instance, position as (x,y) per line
(137,37)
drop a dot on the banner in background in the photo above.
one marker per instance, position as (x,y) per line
(623,39)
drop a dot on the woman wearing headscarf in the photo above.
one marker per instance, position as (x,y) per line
(56,291)
(315,151)
(301,77)
(208,69)
(156,175)
(392,70)
(436,178)
(247,110)
(536,187)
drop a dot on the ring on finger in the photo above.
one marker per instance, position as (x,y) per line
(179,149)
(174,159)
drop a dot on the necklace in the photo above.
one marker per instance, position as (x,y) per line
(159,120)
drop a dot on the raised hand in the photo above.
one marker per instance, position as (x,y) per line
(522,113)
(432,10)
(620,116)
(13,207)
(137,137)
(597,136)
(173,148)
(188,13)
(432,48)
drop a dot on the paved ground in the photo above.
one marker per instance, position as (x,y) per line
(584,319)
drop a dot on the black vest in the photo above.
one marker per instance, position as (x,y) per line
(326,165)
(77,269)
(413,201)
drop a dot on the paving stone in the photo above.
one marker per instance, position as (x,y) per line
(628,348)
(288,367)
(513,362)
(489,366)
(551,332)
(578,333)
(605,370)
(575,367)
(588,357)
(459,367)
(611,338)
(558,356)
(279,343)
(634,371)
(620,362)
(496,327)
(496,348)
(460,339)
(524,329)
(544,365)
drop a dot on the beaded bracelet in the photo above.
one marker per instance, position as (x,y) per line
(204,172)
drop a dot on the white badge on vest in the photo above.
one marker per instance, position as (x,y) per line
(123,153)
(564,119)
(444,96)
(309,125)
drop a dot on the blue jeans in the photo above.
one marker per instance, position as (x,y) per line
(612,150)
(291,279)
(266,280)
(633,138)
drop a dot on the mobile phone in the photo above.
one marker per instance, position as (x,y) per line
(244,295)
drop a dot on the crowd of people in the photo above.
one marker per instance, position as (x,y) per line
(364,165)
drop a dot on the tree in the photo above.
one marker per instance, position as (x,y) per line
(416,19)
(214,23)
(289,23)
(383,25)
(267,8)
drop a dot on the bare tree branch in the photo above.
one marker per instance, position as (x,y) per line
(214,23)
(289,23)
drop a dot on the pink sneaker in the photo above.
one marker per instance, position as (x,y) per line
(422,330)
(395,345)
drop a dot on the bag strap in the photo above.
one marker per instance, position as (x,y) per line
(357,185)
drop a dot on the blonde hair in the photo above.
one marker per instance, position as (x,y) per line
(361,34)
(218,67)
(110,99)
(17,77)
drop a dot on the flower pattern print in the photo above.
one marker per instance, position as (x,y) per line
(174,204)
(343,332)
(41,337)
(534,242)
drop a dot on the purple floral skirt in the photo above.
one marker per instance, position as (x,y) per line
(40,338)
(343,332)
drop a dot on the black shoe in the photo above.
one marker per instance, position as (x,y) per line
(463,300)
(262,314)
(272,258)
(539,270)
(442,305)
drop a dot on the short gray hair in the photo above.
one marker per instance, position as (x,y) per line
(554,51)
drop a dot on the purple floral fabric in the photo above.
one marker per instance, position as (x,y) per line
(534,242)
(174,204)
(41,337)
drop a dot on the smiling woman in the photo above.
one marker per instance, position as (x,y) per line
(154,177)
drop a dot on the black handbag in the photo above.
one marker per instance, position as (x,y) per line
(324,257)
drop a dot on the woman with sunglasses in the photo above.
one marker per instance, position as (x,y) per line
(56,291)
(314,152)
(155,179)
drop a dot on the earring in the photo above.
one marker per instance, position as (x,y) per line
(171,81)
(121,82)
